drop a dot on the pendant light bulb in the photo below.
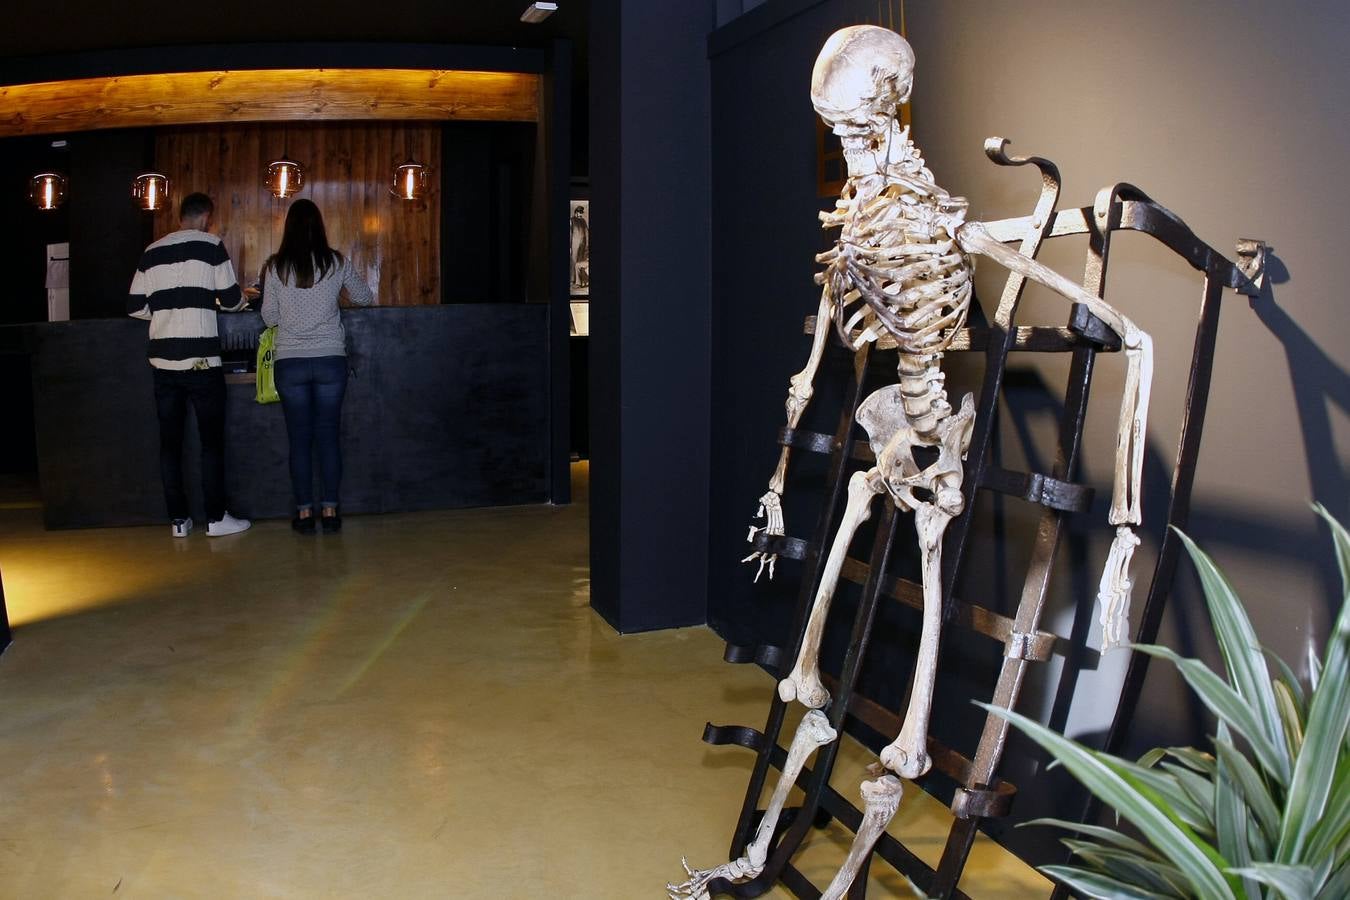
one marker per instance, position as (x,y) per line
(47,190)
(410,181)
(285,177)
(150,191)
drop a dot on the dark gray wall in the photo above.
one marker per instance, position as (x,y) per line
(649,312)
(446,406)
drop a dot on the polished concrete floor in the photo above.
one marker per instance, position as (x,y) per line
(423,706)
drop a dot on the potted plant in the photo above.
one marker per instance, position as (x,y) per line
(1265,814)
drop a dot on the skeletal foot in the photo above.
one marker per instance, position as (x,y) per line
(805,689)
(696,887)
(905,763)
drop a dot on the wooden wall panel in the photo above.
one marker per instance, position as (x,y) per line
(348,167)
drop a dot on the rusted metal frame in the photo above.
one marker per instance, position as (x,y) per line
(1178,514)
(989,750)
(1140,213)
(814,563)
(1002,332)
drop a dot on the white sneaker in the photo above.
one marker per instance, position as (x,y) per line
(181,527)
(227,525)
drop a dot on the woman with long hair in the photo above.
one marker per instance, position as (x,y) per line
(301,283)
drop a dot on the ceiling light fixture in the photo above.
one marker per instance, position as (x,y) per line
(538,12)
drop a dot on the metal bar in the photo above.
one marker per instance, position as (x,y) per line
(1026,338)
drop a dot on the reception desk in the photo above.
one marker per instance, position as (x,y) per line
(446,406)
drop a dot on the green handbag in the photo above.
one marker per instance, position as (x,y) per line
(267,382)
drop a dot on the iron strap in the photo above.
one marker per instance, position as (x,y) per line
(811,441)
(780,545)
(1036,488)
(988,803)
(766,655)
(740,735)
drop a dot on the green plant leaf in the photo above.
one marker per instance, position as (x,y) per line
(1342,541)
(1199,788)
(1233,821)
(1168,790)
(1110,835)
(1228,705)
(1325,730)
(1097,886)
(1333,830)
(1291,681)
(1292,882)
(1196,760)
(1249,784)
(1290,717)
(1152,757)
(1200,862)
(1242,654)
(1337,887)
(1160,878)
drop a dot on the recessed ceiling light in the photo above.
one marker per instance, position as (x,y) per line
(538,12)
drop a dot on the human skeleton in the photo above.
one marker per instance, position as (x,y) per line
(902,268)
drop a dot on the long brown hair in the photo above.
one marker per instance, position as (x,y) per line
(304,253)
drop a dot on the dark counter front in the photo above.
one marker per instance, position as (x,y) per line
(446,406)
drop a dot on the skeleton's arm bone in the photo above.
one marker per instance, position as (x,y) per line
(800,389)
(975,238)
(1114,594)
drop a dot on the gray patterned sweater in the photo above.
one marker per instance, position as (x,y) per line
(307,319)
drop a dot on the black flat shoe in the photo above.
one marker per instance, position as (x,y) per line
(305,525)
(332,524)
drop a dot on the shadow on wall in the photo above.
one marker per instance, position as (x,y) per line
(1320,383)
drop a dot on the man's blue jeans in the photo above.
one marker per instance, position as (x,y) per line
(311,390)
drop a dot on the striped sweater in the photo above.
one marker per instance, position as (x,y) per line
(177,284)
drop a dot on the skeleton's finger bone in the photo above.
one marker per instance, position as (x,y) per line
(803,682)
(881,798)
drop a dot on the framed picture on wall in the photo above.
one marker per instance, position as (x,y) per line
(580,244)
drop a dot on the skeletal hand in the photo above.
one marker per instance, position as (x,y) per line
(771,510)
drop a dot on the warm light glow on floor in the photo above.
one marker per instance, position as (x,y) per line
(422,706)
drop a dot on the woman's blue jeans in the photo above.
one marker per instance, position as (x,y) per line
(311,390)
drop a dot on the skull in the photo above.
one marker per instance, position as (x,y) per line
(861,77)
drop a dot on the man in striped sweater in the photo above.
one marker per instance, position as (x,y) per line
(178,284)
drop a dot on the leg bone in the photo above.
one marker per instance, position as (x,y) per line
(813,732)
(881,798)
(907,755)
(803,682)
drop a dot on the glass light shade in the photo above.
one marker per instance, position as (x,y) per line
(150,191)
(47,190)
(285,177)
(410,181)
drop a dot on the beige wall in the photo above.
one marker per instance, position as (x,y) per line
(1232,114)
